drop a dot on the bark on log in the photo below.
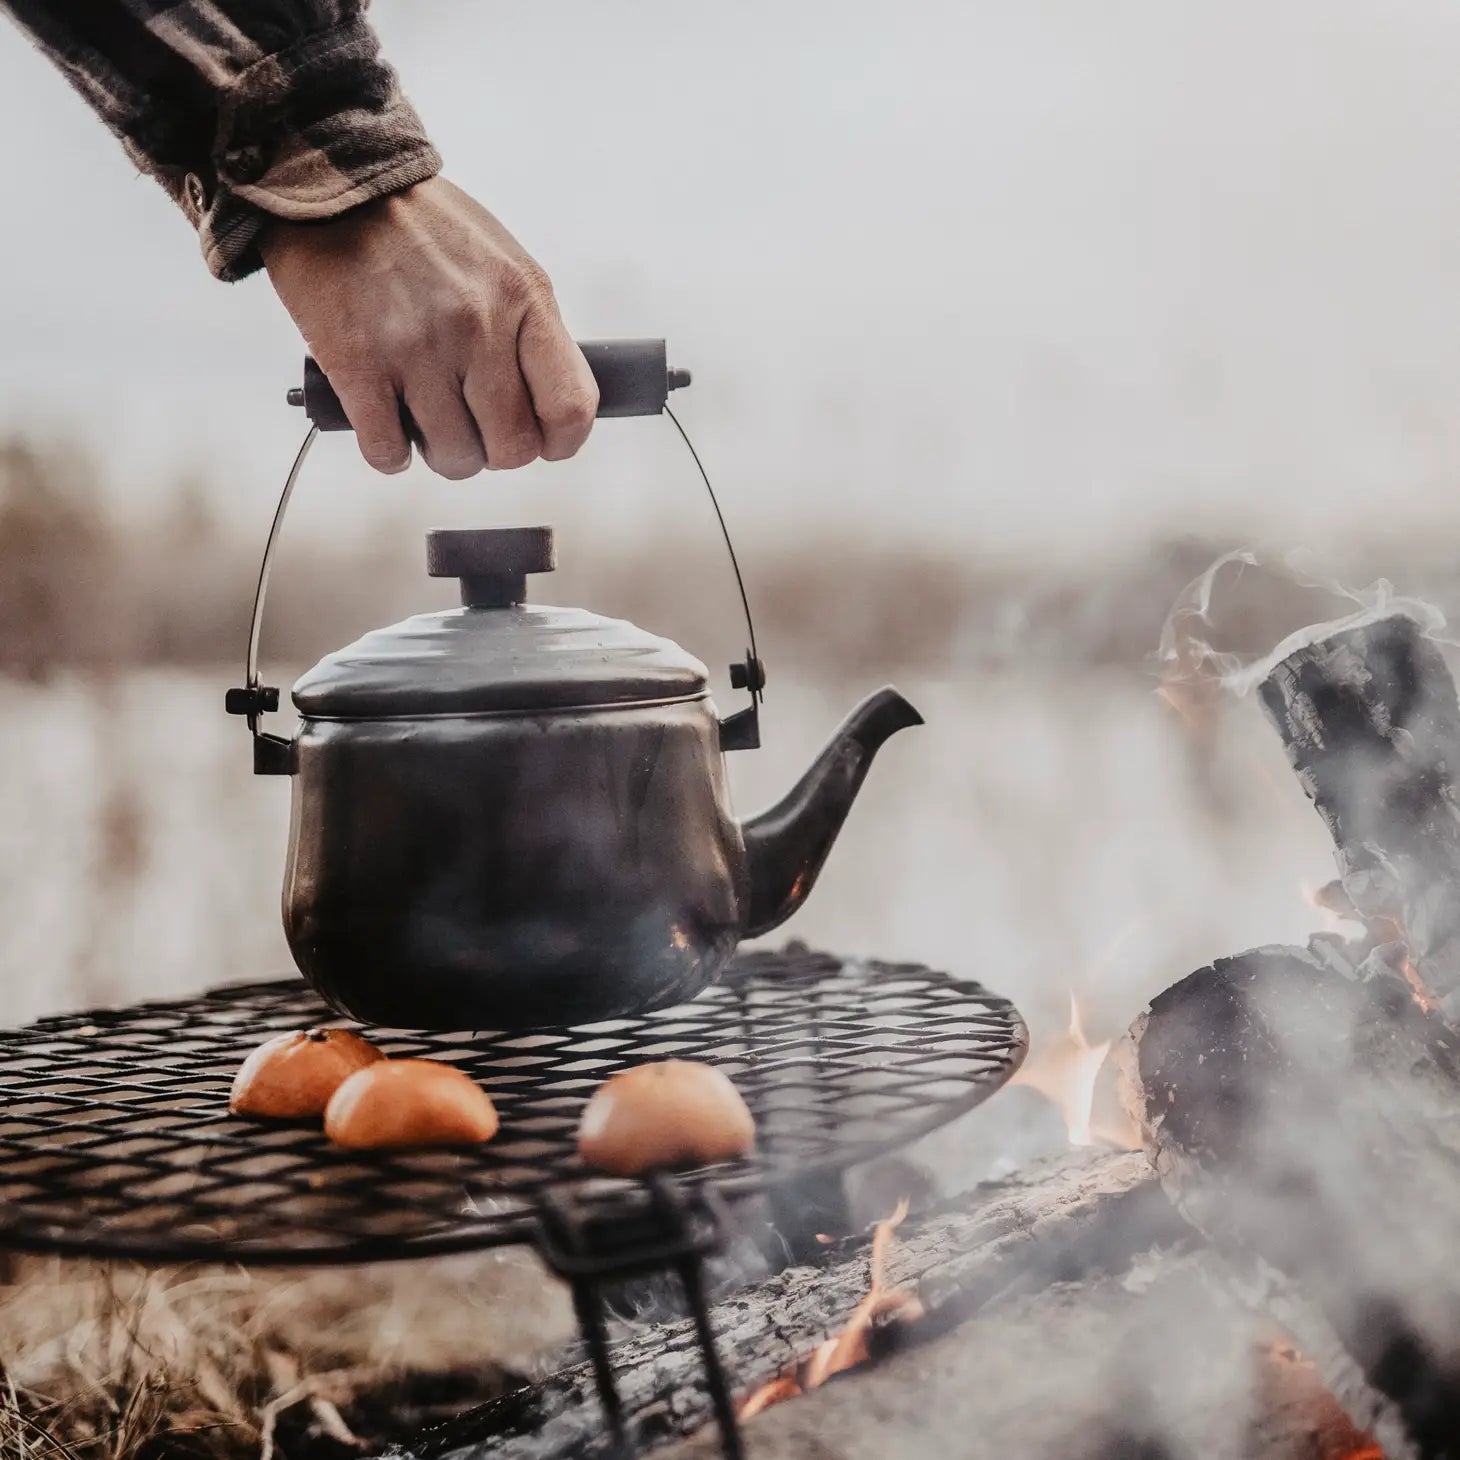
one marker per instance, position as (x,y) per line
(1371,724)
(1083,1215)
(1158,1363)
(1314,1121)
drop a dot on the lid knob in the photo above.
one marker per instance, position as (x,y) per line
(492,562)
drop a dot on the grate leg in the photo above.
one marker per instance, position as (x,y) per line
(589,1309)
(673,1232)
(691,1273)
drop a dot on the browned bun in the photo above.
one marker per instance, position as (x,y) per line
(409,1103)
(293,1075)
(673,1113)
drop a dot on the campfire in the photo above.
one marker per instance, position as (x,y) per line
(1271,1275)
(1251,1261)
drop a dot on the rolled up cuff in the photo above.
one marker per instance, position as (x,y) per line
(304,135)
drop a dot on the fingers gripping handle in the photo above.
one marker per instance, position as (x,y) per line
(634,379)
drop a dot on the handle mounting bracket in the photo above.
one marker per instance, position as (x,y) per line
(252,700)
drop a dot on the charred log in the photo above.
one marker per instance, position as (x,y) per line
(1312,1122)
(1161,1362)
(1371,724)
(1086,1216)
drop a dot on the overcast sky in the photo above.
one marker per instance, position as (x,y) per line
(1047,272)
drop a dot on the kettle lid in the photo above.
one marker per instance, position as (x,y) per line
(497,652)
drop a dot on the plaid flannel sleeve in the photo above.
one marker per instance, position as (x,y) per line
(244,110)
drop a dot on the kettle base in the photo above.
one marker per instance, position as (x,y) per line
(506,994)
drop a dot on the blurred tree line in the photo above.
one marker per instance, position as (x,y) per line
(83,588)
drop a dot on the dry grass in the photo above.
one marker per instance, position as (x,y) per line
(118,1363)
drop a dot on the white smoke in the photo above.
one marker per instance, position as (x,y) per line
(1186,655)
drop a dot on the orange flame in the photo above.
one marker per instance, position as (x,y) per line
(1064,1070)
(784,1387)
(1392,930)
(1422,995)
(850,1346)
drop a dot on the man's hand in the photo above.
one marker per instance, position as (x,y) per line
(424,300)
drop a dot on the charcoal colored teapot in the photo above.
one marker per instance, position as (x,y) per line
(506,815)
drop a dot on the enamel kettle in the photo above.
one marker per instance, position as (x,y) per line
(507,815)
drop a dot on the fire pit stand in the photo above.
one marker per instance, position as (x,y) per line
(115,1140)
(678,1231)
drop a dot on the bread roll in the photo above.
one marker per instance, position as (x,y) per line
(673,1113)
(409,1103)
(292,1076)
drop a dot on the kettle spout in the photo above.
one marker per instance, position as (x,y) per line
(786,846)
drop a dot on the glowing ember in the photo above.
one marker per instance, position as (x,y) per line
(1288,1382)
(849,1347)
(1064,1070)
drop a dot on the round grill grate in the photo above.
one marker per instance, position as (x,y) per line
(115,1138)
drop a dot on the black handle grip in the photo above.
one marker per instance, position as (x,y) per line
(634,379)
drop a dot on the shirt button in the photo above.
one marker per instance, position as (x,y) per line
(196,194)
(247,164)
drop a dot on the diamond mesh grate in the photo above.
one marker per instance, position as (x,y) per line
(115,1138)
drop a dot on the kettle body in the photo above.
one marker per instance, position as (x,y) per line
(508,870)
(507,816)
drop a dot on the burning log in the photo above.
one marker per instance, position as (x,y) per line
(1312,1122)
(1371,723)
(1158,1362)
(1028,1232)
(852,1345)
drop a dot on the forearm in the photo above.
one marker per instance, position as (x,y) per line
(244,110)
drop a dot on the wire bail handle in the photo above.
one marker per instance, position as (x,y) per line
(271,753)
(274,755)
